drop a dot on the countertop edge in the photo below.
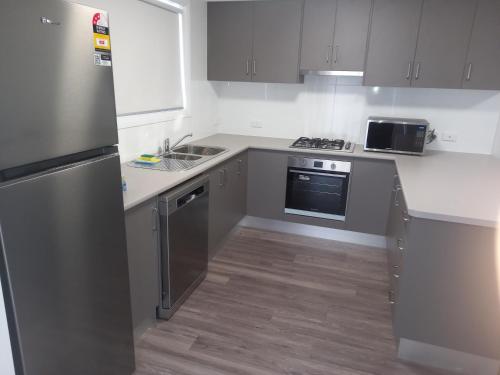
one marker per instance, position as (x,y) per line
(452,219)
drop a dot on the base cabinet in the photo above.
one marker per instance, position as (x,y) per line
(370,195)
(266,184)
(443,282)
(369,192)
(142,248)
(228,191)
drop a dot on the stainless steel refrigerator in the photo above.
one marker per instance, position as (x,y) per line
(63,260)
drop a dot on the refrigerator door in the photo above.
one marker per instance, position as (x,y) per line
(65,273)
(55,100)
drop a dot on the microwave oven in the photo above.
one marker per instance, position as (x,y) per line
(396,135)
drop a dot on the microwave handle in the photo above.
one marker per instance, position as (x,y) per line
(318,173)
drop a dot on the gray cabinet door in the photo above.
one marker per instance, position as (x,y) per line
(238,187)
(218,224)
(482,70)
(351,34)
(142,247)
(392,42)
(370,196)
(228,187)
(276,41)
(266,184)
(443,40)
(317,34)
(229,41)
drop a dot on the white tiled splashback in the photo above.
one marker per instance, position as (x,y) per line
(339,107)
(150,130)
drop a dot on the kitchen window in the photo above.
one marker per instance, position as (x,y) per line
(147,42)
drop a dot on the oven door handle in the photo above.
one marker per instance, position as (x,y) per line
(318,173)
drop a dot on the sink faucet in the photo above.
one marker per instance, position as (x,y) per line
(166,143)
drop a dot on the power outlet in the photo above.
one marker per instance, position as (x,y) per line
(449,137)
(256,124)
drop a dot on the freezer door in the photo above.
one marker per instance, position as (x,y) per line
(64,270)
(55,101)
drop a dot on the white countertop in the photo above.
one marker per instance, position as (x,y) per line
(448,186)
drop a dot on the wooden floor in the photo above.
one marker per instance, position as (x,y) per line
(281,304)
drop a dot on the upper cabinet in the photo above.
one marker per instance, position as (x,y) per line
(334,34)
(254,41)
(317,34)
(276,41)
(396,43)
(392,43)
(229,43)
(419,44)
(445,30)
(482,70)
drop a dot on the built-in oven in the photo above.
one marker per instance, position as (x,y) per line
(317,188)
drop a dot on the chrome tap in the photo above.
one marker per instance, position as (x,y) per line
(166,143)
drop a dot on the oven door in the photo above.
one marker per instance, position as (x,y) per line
(319,194)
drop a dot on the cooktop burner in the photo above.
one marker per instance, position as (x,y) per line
(323,144)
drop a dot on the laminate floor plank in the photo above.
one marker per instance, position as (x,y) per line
(274,304)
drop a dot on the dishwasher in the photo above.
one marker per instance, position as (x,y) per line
(183,243)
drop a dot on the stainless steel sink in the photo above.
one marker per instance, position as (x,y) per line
(183,158)
(199,150)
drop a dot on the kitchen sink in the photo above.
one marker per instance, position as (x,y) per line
(183,158)
(199,150)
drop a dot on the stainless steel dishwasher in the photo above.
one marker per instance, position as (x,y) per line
(183,243)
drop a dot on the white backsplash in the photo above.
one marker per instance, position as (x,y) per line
(339,107)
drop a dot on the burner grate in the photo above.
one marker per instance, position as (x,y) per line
(322,144)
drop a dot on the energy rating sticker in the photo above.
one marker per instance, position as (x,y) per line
(102,42)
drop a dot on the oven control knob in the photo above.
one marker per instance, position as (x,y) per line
(303,162)
(333,166)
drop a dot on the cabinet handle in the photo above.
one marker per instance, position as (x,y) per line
(395,266)
(396,195)
(417,72)
(240,162)
(327,56)
(254,68)
(469,72)
(405,217)
(395,181)
(391,297)
(399,244)
(155,214)
(408,73)
(335,59)
(395,275)
(225,176)
(221,177)
(247,70)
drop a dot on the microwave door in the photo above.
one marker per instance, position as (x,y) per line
(381,136)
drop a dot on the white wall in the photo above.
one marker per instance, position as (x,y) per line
(338,107)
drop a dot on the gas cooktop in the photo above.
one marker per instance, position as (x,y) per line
(338,145)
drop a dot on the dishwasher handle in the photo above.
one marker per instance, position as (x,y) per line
(191,196)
